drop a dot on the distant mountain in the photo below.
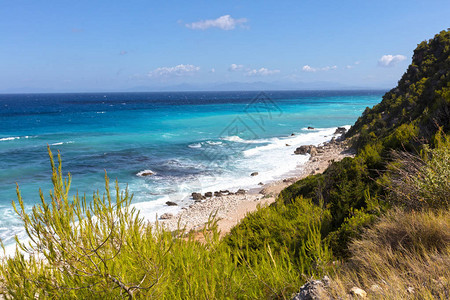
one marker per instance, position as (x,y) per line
(250,86)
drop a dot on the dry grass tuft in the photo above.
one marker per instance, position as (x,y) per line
(406,255)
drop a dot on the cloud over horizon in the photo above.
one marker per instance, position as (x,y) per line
(235,67)
(308,68)
(390,60)
(177,71)
(225,22)
(261,72)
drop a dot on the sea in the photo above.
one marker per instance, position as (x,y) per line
(188,141)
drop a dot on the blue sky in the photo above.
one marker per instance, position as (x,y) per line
(120,45)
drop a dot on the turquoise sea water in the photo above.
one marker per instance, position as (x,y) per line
(196,141)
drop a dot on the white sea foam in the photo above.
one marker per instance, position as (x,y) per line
(11,138)
(213,143)
(196,145)
(237,139)
(61,143)
(272,161)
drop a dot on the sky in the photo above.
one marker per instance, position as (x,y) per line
(85,46)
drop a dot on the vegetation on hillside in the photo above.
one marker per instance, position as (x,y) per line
(380,218)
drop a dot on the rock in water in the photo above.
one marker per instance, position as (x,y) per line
(170,203)
(310,128)
(254,174)
(145,173)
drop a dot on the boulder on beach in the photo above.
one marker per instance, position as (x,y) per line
(241,192)
(171,203)
(302,150)
(313,151)
(166,216)
(225,191)
(196,196)
(217,194)
(340,130)
(305,149)
(208,194)
(254,174)
(260,183)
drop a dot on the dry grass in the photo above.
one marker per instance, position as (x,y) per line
(406,255)
(421,181)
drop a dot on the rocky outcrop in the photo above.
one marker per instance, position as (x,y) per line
(340,130)
(208,194)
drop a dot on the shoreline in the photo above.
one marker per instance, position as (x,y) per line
(231,209)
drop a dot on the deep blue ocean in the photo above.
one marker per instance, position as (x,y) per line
(191,141)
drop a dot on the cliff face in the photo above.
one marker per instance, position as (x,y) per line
(417,106)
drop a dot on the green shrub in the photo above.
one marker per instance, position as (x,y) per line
(102,249)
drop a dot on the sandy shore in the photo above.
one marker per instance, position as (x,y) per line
(231,209)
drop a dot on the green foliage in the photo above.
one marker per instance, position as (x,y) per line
(102,249)
(417,182)
(282,227)
(83,249)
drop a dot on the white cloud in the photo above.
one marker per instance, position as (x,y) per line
(262,72)
(235,67)
(390,60)
(308,68)
(353,65)
(225,22)
(177,71)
